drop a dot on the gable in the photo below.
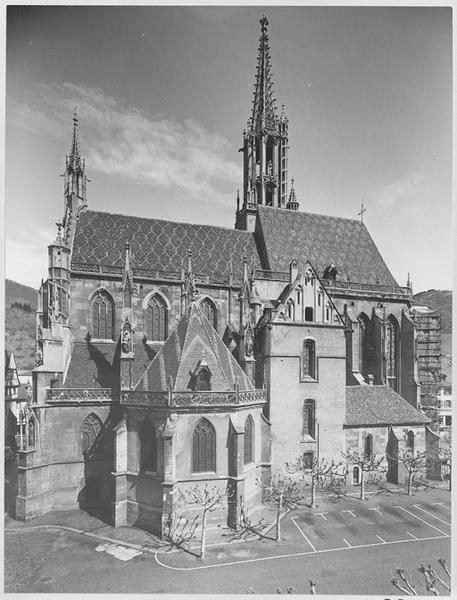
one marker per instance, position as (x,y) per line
(193,340)
(306,300)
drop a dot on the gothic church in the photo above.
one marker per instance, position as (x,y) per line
(170,354)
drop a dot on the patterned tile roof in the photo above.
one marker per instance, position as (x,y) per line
(161,245)
(96,365)
(379,405)
(194,340)
(285,234)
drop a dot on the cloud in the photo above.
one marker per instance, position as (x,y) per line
(402,189)
(118,139)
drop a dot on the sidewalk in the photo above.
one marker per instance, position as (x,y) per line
(78,521)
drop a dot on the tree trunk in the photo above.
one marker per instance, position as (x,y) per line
(410,483)
(278,520)
(313,491)
(362,484)
(450,477)
(203,539)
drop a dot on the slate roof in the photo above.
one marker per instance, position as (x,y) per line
(379,405)
(100,239)
(285,234)
(193,340)
(96,365)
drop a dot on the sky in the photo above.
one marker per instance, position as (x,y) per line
(163,95)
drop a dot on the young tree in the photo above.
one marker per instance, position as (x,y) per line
(446,459)
(180,531)
(208,498)
(366,463)
(312,468)
(284,493)
(413,463)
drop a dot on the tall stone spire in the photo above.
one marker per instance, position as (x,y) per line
(264,115)
(74,186)
(265,144)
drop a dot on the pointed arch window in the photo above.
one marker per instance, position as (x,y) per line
(309,419)
(204,447)
(291,310)
(363,343)
(392,352)
(309,359)
(157,319)
(210,311)
(368,450)
(249,440)
(148,447)
(102,316)
(90,429)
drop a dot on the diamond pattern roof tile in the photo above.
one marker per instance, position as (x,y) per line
(322,240)
(161,245)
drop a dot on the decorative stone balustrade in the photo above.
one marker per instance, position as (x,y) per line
(78,394)
(191,399)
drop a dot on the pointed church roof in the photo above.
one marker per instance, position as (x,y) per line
(379,405)
(264,114)
(193,339)
(323,240)
(160,245)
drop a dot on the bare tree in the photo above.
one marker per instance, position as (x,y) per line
(313,469)
(180,531)
(413,463)
(432,580)
(367,463)
(208,498)
(284,493)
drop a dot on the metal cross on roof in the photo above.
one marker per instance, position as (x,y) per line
(362,210)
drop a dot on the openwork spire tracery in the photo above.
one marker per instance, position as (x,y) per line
(264,114)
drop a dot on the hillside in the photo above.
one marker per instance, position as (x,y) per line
(438,300)
(20,307)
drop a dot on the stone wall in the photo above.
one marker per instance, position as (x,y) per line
(288,390)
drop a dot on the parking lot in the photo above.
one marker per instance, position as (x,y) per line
(373,524)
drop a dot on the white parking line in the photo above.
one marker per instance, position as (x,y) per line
(351,513)
(413,536)
(347,543)
(380,538)
(441,504)
(419,519)
(322,515)
(295,554)
(431,514)
(376,509)
(301,531)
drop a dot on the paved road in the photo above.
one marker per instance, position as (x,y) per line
(349,547)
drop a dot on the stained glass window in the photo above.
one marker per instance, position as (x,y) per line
(102,316)
(204,447)
(157,319)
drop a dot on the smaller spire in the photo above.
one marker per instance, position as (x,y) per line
(292,203)
(74,152)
